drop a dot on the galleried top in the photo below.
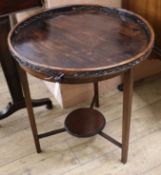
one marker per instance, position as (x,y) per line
(82,39)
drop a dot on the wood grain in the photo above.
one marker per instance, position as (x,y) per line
(67,41)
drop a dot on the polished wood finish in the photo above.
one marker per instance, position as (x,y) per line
(127,104)
(66,34)
(58,35)
(9,6)
(66,46)
(84,122)
(8,64)
(150,10)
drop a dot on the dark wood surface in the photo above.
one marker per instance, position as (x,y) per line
(84,122)
(10,6)
(151,11)
(69,42)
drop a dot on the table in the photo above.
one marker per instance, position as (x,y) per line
(82,44)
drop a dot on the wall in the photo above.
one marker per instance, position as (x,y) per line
(56,3)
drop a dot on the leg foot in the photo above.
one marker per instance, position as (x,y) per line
(10,109)
(13,107)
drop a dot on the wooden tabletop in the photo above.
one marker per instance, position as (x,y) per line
(81,40)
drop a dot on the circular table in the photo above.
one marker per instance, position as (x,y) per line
(82,44)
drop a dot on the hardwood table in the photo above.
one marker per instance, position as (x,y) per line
(82,44)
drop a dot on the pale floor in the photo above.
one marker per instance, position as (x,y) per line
(67,155)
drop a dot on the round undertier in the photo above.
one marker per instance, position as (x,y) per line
(84,122)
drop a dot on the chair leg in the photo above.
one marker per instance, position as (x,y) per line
(26,90)
(127,105)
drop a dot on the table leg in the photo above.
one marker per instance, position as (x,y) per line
(127,105)
(96,92)
(28,101)
(95,100)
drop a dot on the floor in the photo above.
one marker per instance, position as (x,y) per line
(67,155)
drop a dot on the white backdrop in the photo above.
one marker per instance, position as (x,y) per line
(55,3)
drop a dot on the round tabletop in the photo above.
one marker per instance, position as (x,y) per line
(81,43)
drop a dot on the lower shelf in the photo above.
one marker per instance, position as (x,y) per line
(84,122)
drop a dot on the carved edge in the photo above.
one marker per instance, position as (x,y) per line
(60,76)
